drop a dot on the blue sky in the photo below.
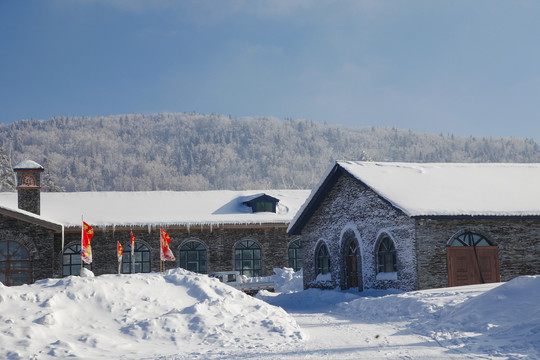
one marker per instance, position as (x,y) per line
(461,67)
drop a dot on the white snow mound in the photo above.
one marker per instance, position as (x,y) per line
(139,316)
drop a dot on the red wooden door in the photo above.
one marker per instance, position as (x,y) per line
(468,267)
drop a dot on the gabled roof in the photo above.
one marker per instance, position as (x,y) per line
(167,208)
(439,189)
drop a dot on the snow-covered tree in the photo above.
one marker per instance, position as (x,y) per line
(8,180)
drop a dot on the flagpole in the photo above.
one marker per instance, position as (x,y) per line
(82,245)
(132,253)
(161,249)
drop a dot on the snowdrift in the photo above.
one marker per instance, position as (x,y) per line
(139,316)
(495,319)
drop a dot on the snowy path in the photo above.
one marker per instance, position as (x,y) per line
(331,336)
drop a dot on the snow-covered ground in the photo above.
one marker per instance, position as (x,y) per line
(181,315)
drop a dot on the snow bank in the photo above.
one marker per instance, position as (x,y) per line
(495,319)
(286,280)
(135,316)
(509,316)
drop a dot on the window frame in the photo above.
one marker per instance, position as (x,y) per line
(295,254)
(322,257)
(76,253)
(200,250)
(6,263)
(143,263)
(250,253)
(469,238)
(387,257)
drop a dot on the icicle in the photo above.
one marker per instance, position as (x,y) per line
(149,228)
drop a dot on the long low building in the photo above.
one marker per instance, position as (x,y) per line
(40,233)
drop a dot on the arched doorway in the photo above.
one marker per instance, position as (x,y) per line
(14,263)
(353,264)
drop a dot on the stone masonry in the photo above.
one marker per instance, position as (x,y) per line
(518,241)
(219,243)
(351,207)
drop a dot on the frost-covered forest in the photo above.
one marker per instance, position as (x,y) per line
(200,152)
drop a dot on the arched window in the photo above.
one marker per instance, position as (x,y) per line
(142,259)
(14,263)
(295,255)
(71,261)
(469,239)
(386,256)
(323,260)
(247,258)
(193,257)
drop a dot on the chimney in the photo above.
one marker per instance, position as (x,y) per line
(29,185)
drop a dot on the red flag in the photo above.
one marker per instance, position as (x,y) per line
(166,253)
(132,240)
(120,251)
(86,249)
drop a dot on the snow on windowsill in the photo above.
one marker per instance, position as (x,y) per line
(324,277)
(387,276)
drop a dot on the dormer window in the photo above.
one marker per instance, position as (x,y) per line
(261,203)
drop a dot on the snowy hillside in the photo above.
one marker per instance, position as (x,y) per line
(181,315)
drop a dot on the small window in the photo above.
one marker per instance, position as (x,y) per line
(247,258)
(142,259)
(14,263)
(295,255)
(264,206)
(386,256)
(323,260)
(71,261)
(193,257)
(231,278)
(469,239)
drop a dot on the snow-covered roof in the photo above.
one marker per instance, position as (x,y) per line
(450,189)
(30,217)
(182,208)
(440,189)
(28,165)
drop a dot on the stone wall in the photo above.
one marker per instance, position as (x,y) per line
(518,241)
(37,240)
(351,208)
(220,244)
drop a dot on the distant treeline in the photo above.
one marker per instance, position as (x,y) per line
(201,152)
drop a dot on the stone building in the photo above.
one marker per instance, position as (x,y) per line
(40,233)
(415,226)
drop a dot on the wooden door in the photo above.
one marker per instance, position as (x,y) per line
(352,265)
(468,267)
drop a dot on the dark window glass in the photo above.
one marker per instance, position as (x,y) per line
(295,255)
(323,260)
(387,261)
(470,239)
(193,257)
(14,263)
(264,206)
(141,254)
(247,258)
(71,261)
